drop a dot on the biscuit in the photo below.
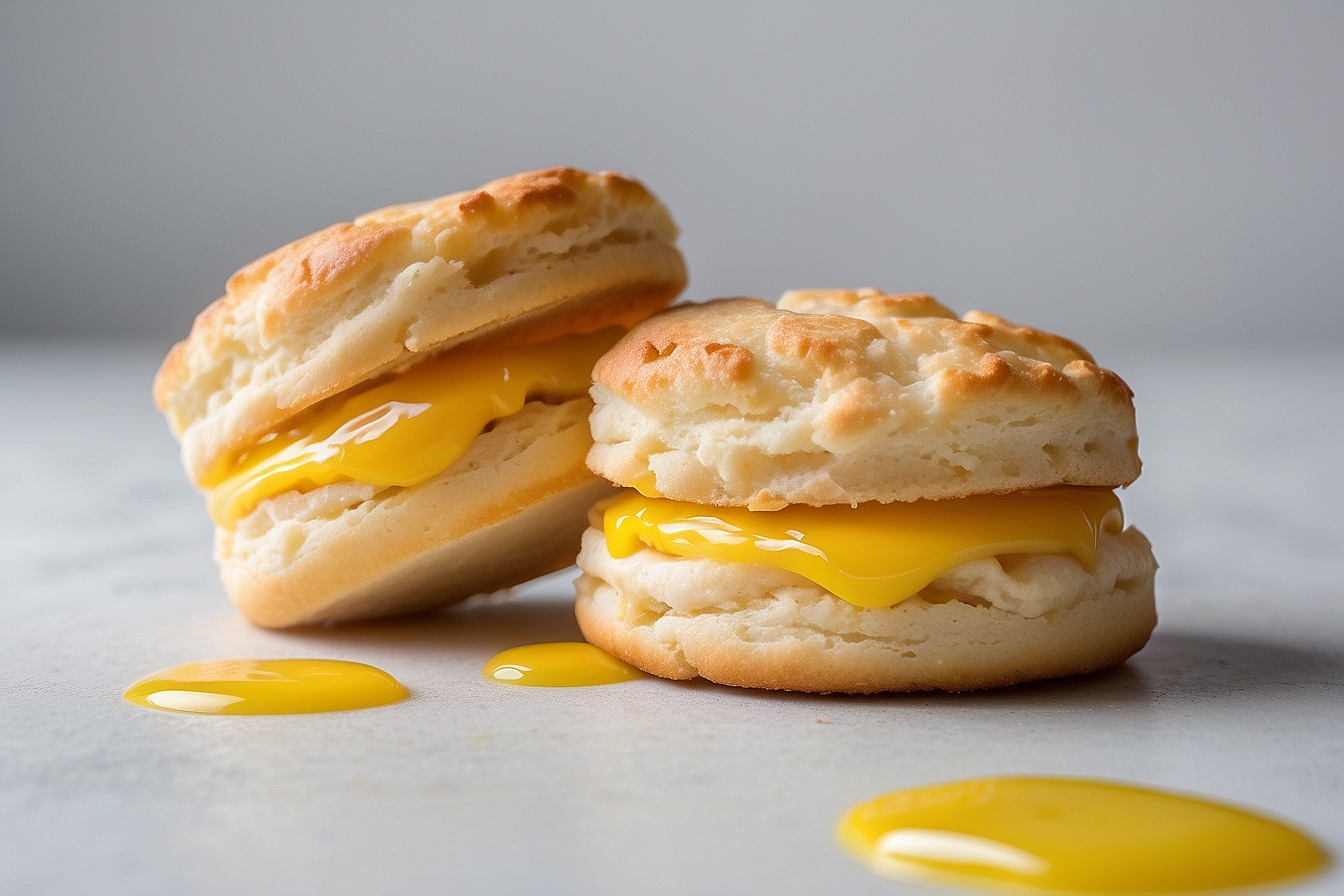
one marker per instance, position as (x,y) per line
(842,397)
(309,331)
(850,397)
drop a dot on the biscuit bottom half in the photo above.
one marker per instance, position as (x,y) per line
(988,623)
(511,508)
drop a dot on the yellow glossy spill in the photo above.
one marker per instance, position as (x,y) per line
(266,687)
(561,664)
(873,555)
(1076,836)
(408,428)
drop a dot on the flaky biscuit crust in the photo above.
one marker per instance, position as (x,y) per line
(847,396)
(539,253)
(752,625)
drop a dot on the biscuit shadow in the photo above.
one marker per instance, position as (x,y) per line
(1178,667)
(1192,665)
(475,626)
(1175,667)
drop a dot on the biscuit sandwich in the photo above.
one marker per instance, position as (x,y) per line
(391,414)
(861,492)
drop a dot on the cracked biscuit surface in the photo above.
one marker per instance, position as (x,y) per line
(846,396)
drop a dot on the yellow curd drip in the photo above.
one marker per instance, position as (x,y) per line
(409,427)
(1078,836)
(266,687)
(560,664)
(873,555)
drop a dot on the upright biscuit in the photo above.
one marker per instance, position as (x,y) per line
(769,444)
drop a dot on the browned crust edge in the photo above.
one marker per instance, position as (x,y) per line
(1090,635)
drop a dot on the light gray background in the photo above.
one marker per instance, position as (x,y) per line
(1151,173)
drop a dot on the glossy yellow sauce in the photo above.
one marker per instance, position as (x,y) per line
(409,427)
(873,555)
(266,687)
(560,664)
(1015,834)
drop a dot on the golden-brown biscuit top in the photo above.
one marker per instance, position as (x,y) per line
(554,250)
(844,396)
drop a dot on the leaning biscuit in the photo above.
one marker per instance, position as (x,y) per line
(757,433)
(381,320)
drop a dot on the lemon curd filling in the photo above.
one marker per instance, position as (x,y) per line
(872,555)
(409,427)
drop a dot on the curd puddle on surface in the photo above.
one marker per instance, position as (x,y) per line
(560,664)
(1077,836)
(266,687)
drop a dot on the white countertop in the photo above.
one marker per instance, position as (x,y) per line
(647,787)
